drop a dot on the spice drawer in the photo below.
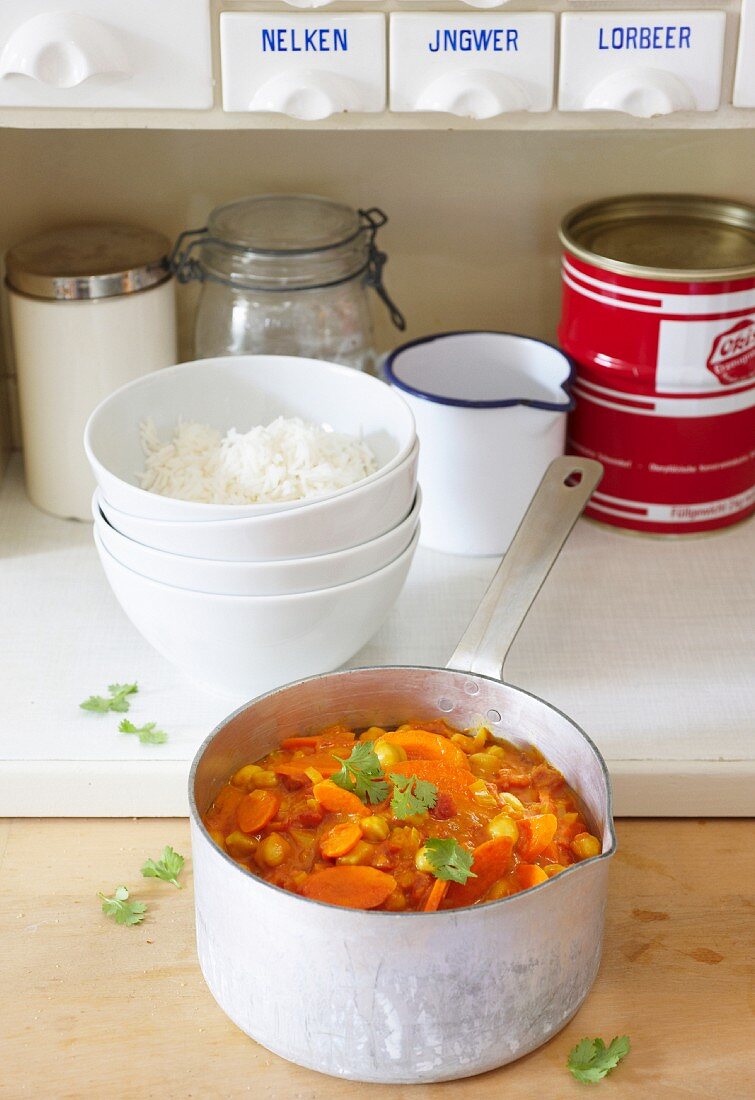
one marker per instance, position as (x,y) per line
(641,63)
(143,54)
(475,66)
(305,66)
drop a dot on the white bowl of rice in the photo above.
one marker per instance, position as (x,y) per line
(243,436)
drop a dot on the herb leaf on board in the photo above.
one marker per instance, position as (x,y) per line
(148,734)
(117,701)
(121,909)
(591,1059)
(167,867)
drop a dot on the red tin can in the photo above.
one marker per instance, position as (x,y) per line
(659,318)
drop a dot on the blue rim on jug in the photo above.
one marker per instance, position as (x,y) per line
(459,402)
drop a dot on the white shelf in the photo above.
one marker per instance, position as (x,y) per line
(648,644)
(727,117)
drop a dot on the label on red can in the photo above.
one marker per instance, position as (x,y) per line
(665,392)
(732,357)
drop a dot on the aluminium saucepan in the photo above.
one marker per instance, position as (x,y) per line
(413,997)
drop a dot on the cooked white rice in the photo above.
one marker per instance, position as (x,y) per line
(287,460)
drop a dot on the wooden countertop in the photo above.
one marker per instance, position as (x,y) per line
(91,1009)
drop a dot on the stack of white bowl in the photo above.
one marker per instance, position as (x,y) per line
(244,598)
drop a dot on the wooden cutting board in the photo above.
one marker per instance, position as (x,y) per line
(649,644)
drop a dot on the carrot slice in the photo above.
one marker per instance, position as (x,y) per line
(355,887)
(491,861)
(336,800)
(529,874)
(300,743)
(323,762)
(256,810)
(421,745)
(446,776)
(340,840)
(436,895)
(535,834)
(222,815)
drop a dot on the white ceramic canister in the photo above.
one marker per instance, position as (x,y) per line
(491,413)
(92,307)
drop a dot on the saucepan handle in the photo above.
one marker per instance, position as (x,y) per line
(555,508)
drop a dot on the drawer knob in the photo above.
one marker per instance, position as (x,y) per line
(62,50)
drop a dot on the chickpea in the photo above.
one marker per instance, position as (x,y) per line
(482,763)
(552,869)
(585,845)
(264,779)
(375,827)
(471,743)
(503,826)
(423,862)
(372,734)
(495,750)
(396,901)
(499,889)
(389,754)
(273,850)
(244,775)
(241,846)
(513,806)
(362,853)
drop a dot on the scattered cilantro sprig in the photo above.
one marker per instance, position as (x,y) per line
(412,796)
(449,861)
(118,700)
(167,867)
(591,1059)
(148,734)
(121,909)
(362,774)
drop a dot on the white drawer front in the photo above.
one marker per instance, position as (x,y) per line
(305,66)
(475,66)
(137,54)
(642,63)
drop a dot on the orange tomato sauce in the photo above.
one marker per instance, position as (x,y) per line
(283,819)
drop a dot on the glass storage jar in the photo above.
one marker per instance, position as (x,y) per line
(286,275)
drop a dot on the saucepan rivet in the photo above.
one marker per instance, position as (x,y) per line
(493,716)
(471,687)
(445,705)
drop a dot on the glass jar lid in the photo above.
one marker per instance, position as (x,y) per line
(282,243)
(88,261)
(285,224)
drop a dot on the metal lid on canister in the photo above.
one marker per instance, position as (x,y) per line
(88,261)
(690,238)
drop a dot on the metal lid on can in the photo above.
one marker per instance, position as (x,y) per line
(689,238)
(88,261)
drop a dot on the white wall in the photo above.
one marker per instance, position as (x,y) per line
(472,237)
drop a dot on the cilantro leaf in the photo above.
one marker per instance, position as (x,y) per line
(449,861)
(591,1059)
(167,867)
(121,909)
(97,703)
(118,700)
(362,773)
(147,734)
(412,795)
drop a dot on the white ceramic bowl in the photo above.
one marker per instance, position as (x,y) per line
(240,392)
(245,645)
(266,578)
(338,523)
